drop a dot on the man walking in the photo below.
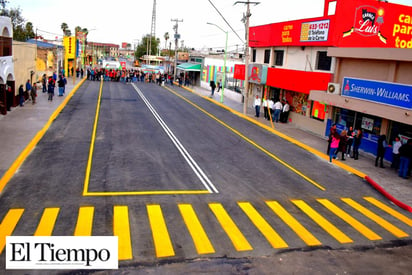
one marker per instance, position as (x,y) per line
(256,104)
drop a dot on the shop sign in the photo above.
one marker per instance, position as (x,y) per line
(314,31)
(257,73)
(394,94)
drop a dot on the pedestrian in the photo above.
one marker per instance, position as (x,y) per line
(285,112)
(256,104)
(278,109)
(334,145)
(343,143)
(33,93)
(332,131)
(265,108)
(405,152)
(219,86)
(380,152)
(271,108)
(395,153)
(21,95)
(350,135)
(357,140)
(44,83)
(60,84)
(50,89)
(28,89)
(212,87)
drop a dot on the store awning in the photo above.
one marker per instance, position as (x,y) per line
(189,67)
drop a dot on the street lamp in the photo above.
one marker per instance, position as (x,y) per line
(224,63)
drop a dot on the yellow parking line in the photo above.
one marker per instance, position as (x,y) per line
(8,224)
(262,225)
(238,239)
(374,217)
(121,229)
(47,222)
(84,221)
(296,226)
(365,231)
(322,222)
(389,210)
(144,193)
(199,236)
(163,244)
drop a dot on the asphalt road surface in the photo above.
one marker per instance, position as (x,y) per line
(178,179)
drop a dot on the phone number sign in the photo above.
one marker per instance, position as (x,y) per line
(315,31)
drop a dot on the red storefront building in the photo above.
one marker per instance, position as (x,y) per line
(352,67)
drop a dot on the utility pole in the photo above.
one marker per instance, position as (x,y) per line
(153,27)
(246,21)
(177,36)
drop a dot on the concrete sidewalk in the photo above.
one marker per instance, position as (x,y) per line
(386,178)
(22,124)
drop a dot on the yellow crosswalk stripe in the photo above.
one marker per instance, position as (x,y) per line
(264,227)
(163,244)
(322,222)
(389,210)
(47,221)
(84,221)
(8,224)
(121,229)
(238,239)
(382,222)
(361,228)
(200,239)
(297,227)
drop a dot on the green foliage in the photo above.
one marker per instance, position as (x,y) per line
(22,30)
(142,50)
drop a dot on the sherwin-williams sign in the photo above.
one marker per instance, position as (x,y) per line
(398,95)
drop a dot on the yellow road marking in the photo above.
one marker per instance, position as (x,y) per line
(26,151)
(84,223)
(8,224)
(261,148)
(296,226)
(322,222)
(264,227)
(238,239)
(199,236)
(92,142)
(121,229)
(365,231)
(163,244)
(389,210)
(46,224)
(142,193)
(382,222)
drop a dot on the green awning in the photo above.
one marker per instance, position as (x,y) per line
(190,67)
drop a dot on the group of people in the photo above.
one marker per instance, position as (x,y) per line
(29,93)
(275,110)
(344,142)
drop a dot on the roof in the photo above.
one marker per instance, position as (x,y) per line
(193,67)
(43,44)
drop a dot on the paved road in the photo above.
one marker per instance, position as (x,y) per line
(177,177)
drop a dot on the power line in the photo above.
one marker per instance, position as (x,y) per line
(226,21)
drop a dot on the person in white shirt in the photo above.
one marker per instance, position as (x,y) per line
(395,153)
(285,113)
(271,108)
(278,109)
(256,104)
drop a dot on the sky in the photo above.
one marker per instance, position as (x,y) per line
(129,20)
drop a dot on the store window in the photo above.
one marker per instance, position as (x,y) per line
(279,57)
(318,110)
(369,124)
(397,129)
(254,55)
(323,61)
(267,57)
(298,102)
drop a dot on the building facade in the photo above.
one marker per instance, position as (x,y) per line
(352,67)
(7,77)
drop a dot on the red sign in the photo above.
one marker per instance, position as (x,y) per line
(356,23)
(123,64)
(239,72)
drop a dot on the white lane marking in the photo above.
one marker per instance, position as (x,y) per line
(192,163)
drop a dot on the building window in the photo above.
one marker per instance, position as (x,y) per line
(254,55)
(279,57)
(323,61)
(267,57)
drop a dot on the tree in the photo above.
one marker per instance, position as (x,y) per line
(65,29)
(142,50)
(22,30)
(166,37)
